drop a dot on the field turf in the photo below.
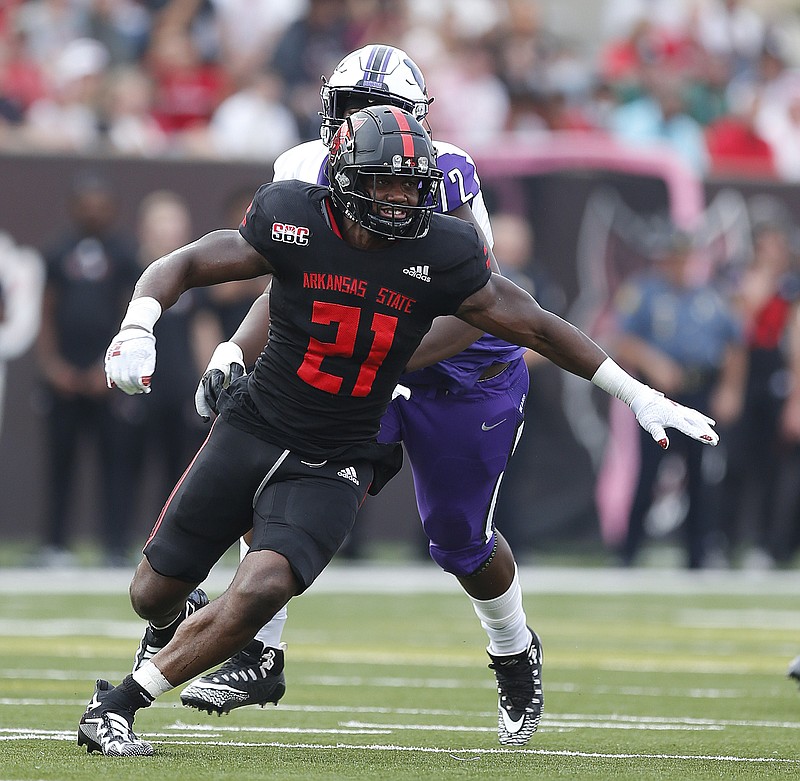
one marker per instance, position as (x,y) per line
(661,675)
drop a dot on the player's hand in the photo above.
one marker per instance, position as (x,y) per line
(131,360)
(225,366)
(656,413)
(401,390)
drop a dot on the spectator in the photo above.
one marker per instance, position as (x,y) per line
(187,90)
(685,339)
(122,26)
(310,46)
(660,118)
(165,430)
(767,298)
(670,16)
(130,127)
(253,123)
(642,34)
(732,29)
(249,32)
(22,79)
(734,145)
(785,534)
(68,118)
(778,122)
(468,78)
(706,93)
(49,26)
(90,273)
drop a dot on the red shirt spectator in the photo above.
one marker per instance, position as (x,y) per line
(734,144)
(736,148)
(21,78)
(187,89)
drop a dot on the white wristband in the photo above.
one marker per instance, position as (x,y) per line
(226,353)
(617,382)
(143,313)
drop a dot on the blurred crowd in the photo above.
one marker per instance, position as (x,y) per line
(716,79)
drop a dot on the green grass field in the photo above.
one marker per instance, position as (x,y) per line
(641,682)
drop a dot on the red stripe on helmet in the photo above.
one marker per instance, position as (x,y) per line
(405,131)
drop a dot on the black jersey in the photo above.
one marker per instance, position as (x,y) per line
(344,321)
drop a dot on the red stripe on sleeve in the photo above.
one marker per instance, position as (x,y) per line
(332,218)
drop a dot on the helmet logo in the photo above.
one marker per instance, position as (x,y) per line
(343,140)
(423,165)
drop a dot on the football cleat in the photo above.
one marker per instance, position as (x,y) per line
(254,676)
(154,639)
(109,730)
(519,689)
(794,669)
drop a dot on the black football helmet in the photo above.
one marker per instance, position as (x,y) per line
(383,141)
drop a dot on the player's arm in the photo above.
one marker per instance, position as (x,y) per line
(220,256)
(505,310)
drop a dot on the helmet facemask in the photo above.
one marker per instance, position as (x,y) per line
(369,146)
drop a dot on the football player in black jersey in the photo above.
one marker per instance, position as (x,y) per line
(294,450)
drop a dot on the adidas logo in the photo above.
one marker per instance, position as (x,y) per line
(349,473)
(418,272)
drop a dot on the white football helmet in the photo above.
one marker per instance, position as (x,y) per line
(373,75)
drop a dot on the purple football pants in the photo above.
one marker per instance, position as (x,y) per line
(458,445)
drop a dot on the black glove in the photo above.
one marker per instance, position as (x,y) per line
(214,382)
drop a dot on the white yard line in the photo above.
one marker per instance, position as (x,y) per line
(462,754)
(416,578)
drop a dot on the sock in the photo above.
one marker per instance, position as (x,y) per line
(129,695)
(270,633)
(149,678)
(503,620)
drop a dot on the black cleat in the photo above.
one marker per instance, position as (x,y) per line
(254,676)
(794,669)
(154,639)
(519,688)
(109,730)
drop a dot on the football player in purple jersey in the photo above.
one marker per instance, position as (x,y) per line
(294,449)
(459,426)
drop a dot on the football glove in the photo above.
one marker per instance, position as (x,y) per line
(655,413)
(131,360)
(225,366)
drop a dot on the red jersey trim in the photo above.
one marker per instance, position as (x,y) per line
(332,219)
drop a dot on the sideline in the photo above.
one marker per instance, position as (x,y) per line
(421,578)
